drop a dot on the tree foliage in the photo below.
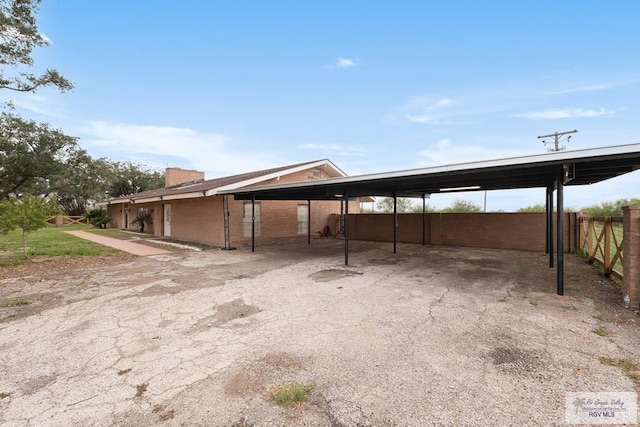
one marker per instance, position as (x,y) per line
(31,155)
(19,36)
(462,206)
(609,208)
(130,178)
(82,182)
(534,208)
(29,213)
(98,217)
(385,205)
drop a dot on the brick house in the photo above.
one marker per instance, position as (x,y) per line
(190,208)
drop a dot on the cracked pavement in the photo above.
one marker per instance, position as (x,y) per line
(428,336)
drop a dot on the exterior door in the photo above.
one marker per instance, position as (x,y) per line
(303,219)
(167,221)
(125,217)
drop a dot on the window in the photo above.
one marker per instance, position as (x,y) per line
(246,219)
(303,219)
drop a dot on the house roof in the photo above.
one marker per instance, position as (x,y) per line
(535,171)
(211,187)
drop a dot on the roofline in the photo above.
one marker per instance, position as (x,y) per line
(324,162)
(220,190)
(558,157)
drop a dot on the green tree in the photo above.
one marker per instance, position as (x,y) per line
(385,205)
(609,208)
(130,178)
(534,208)
(31,155)
(20,36)
(28,213)
(98,217)
(82,182)
(462,206)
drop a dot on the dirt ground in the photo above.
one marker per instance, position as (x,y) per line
(430,336)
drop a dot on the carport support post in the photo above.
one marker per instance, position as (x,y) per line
(424,219)
(253,223)
(560,230)
(395,221)
(308,221)
(550,222)
(346,228)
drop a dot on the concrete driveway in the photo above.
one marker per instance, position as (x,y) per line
(431,336)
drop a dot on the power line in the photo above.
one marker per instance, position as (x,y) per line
(557,139)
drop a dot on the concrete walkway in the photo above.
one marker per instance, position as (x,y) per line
(123,245)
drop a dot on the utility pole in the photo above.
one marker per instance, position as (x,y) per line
(557,139)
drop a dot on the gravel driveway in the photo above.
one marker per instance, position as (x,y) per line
(427,337)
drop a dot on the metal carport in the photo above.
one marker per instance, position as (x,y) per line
(552,171)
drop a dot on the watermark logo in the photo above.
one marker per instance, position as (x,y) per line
(601,408)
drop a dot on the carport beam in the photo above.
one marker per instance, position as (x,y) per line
(560,231)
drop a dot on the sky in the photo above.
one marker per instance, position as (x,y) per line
(233,86)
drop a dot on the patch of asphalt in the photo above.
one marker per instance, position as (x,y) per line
(199,338)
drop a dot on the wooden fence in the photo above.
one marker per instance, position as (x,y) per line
(601,238)
(62,220)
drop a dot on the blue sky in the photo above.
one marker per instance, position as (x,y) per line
(232,86)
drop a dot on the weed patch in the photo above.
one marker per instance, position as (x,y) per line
(16,303)
(4,394)
(629,368)
(534,303)
(291,394)
(601,332)
(602,318)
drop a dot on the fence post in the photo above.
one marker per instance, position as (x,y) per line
(606,257)
(631,259)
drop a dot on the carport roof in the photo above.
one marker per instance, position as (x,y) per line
(582,167)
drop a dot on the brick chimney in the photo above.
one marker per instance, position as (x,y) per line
(177,176)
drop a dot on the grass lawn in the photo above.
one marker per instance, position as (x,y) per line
(50,242)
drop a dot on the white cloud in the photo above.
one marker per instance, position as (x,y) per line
(425,118)
(579,89)
(182,147)
(343,63)
(594,87)
(334,149)
(566,113)
(36,103)
(446,152)
(422,109)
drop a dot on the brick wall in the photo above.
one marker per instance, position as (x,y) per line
(524,231)
(631,259)
(177,176)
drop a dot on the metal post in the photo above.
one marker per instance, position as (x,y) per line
(308,222)
(253,223)
(346,228)
(560,231)
(424,220)
(549,222)
(395,222)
